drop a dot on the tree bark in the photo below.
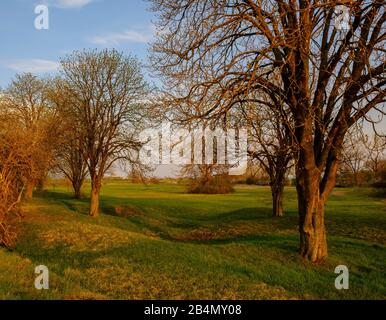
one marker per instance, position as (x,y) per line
(29,189)
(77,189)
(312,191)
(40,184)
(277,199)
(94,201)
(313,241)
(77,183)
(277,172)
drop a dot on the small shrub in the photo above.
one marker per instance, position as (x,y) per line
(215,185)
(251,181)
(380,185)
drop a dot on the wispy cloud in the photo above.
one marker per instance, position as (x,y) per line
(115,39)
(68,4)
(32,65)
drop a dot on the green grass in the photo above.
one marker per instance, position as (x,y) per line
(171,245)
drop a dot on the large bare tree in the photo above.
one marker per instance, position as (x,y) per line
(69,150)
(326,63)
(107,92)
(269,144)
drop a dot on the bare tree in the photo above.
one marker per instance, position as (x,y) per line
(362,156)
(270,145)
(354,156)
(375,147)
(69,150)
(106,90)
(72,163)
(328,74)
(207,178)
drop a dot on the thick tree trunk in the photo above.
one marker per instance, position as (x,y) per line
(94,201)
(313,241)
(312,191)
(277,199)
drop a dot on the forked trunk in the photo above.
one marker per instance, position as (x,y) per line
(312,191)
(77,186)
(77,193)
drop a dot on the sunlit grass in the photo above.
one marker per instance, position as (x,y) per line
(171,245)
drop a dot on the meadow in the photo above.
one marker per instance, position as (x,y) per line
(157,242)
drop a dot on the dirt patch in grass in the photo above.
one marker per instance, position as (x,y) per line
(126,211)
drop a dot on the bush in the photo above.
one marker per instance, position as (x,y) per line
(251,181)
(380,184)
(215,185)
(208,179)
(14,169)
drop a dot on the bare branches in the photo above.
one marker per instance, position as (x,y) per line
(15,164)
(215,54)
(106,95)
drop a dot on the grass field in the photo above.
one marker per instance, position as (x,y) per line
(155,242)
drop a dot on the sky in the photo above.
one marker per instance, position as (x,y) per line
(73,25)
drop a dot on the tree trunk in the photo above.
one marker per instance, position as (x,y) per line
(313,242)
(77,187)
(29,190)
(312,193)
(77,191)
(277,198)
(94,202)
(40,184)
(277,176)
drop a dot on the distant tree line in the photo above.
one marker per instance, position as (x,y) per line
(364,160)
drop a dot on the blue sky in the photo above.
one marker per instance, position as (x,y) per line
(73,25)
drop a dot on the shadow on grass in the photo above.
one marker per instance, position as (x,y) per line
(147,252)
(379,193)
(67,200)
(172,229)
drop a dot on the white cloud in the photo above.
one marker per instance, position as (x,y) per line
(115,39)
(64,4)
(32,65)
